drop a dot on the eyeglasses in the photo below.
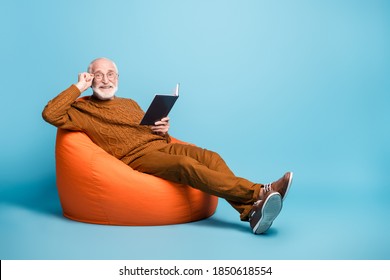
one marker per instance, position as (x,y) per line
(110,75)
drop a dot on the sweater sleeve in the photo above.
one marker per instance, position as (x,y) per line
(58,110)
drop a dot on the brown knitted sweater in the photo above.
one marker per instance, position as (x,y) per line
(113,125)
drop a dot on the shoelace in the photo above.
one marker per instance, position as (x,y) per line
(268,187)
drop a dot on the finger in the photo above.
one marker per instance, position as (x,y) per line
(89,77)
(161,123)
(81,77)
(164,120)
(159,129)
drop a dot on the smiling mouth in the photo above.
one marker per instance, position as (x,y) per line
(105,87)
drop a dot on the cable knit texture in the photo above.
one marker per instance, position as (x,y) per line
(113,124)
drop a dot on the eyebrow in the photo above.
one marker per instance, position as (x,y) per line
(99,71)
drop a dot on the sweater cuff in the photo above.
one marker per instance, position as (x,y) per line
(168,138)
(73,89)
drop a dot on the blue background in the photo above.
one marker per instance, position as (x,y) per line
(270,85)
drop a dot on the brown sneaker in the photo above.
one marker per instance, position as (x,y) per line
(281,186)
(264,212)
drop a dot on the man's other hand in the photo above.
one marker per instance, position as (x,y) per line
(161,127)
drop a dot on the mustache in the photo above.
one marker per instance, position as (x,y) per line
(110,85)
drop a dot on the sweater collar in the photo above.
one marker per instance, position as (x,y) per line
(97,100)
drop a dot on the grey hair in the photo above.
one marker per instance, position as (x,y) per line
(100,58)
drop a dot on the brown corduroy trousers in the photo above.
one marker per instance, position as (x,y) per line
(201,169)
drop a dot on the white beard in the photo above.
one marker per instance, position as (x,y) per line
(104,94)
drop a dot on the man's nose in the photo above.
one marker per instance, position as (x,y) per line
(105,79)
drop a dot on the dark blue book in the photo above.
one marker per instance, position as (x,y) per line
(160,107)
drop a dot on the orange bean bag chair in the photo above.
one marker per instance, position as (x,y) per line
(95,187)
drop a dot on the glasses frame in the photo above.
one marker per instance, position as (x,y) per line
(116,75)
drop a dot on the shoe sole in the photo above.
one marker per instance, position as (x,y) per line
(270,210)
(288,185)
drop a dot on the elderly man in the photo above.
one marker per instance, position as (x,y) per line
(113,124)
